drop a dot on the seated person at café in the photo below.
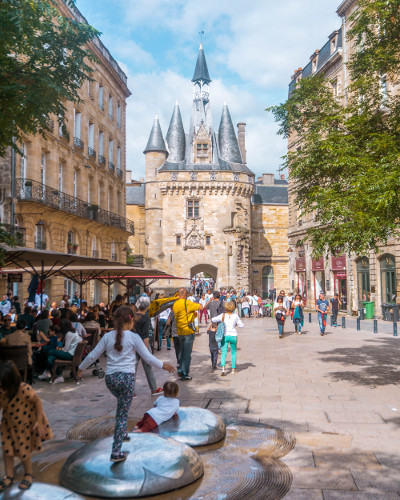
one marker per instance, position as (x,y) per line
(55,317)
(90,323)
(6,328)
(13,314)
(43,323)
(20,337)
(28,317)
(16,304)
(71,341)
(77,326)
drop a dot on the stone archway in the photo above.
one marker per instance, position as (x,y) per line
(205,268)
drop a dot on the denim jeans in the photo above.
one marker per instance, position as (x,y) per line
(186,345)
(334,316)
(177,348)
(280,327)
(161,326)
(321,325)
(213,345)
(148,371)
(53,355)
(297,325)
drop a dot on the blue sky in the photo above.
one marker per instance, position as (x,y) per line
(252,48)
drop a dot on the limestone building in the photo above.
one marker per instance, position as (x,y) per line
(67,194)
(356,278)
(200,207)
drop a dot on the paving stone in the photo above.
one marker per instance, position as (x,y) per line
(351,459)
(386,480)
(296,494)
(358,495)
(320,439)
(317,478)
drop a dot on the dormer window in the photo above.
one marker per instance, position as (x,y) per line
(202,150)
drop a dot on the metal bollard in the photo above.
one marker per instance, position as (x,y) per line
(375,326)
(309,317)
(394,329)
(343,322)
(358,324)
(331,319)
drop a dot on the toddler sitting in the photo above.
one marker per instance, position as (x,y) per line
(165,407)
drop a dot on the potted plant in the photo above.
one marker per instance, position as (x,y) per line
(75,246)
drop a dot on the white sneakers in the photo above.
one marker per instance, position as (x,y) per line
(59,380)
(46,375)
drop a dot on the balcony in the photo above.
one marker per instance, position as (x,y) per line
(111,166)
(40,245)
(50,125)
(119,172)
(17,233)
(78,143)
(92,153)
(33,191)
(114,257)
(101,106)
(102,160)
(63,134)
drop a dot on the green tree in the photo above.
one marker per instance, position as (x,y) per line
(44,59)
(345,167)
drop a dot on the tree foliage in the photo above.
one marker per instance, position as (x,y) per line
(44,59)
(345,166)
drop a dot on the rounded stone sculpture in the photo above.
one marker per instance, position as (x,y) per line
(194,427)
(154,465)
(40,490)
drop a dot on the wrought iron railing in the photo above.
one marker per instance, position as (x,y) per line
(40,245)
(18,233)
(102,160)
(91,152)
(114,257)
(95,254)
(29,190)
(111,166)
(78,143)
(119,172)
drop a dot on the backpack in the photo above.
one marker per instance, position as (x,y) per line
(220,333)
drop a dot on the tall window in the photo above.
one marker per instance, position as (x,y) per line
(114,255)
(99,194)
(110,151)
(101,143)
(77,124)
(95,252)
(89,189)
(40,242)
(110,106)
(22,172)
(101,97)
(118,158)
(109,200)
(43,175)
(91,135)
(119,115)
(388,279)
(193,210)
(267,280)
(75,194)
(60,176)
(72,246)
(363,281)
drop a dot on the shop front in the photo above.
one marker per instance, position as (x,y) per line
(339,271)
(318,269)
(301,278)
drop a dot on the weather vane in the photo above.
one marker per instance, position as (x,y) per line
(201,33)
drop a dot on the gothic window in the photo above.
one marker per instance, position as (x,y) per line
(202,150)
(213,176)
(174,176)
(235,177)
(178,239)
(193,209)
(193,176)
(208,240)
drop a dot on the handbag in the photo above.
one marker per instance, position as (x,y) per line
(220,333)
(191,325)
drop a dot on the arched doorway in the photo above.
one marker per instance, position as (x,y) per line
(205,273)
(267,280)
(363,281)
(388,278)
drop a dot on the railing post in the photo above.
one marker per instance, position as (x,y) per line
(309,317)
(358,324)
(343,322)
(395,329)
(375,326)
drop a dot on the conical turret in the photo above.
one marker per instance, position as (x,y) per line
(156,140)
(176,140)
(201,71)
(228,144)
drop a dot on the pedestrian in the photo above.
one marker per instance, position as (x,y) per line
(298,316)
(184,315)
(322,310)
(336,304)
(5,305)
(231,320)
(280,312)
(246,306)
(286,305)
(213,345)
(142,328)
(165,407)
(121,346)
(23,425)
(162,321)
(171,322)
(203,312)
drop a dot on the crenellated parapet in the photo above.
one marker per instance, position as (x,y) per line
(207,188)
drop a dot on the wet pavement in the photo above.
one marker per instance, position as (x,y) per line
(336,399)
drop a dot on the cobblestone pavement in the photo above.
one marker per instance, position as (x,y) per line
(339,394)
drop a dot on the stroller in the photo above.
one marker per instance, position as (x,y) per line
(267,309)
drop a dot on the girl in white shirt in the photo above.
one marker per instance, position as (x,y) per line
(165,407)
(121,346)
(231,320)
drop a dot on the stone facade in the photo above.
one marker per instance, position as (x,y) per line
(204,211)
(357,278)
(67,194)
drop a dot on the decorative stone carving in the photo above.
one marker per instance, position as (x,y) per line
(194,238)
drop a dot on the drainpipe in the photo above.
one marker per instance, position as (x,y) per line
(13,175)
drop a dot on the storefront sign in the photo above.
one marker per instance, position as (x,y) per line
(14,278)
(300,264)
(340,276)
(318,265)
(339,263)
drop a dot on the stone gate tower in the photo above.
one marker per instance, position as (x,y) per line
(198,192)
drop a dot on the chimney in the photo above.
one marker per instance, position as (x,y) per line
(242,140)
(128,176)
(268,179)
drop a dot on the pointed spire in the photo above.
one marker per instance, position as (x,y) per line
(228,144)
(201,70)
(176,137)
(156,139)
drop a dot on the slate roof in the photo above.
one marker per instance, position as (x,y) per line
(228,144)
(201,70)
(135,194)
(270,195)
(176,140)
(156,139)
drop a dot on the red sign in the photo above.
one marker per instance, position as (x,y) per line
(339,263)
(318,265)
(340,275)
(300,264)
